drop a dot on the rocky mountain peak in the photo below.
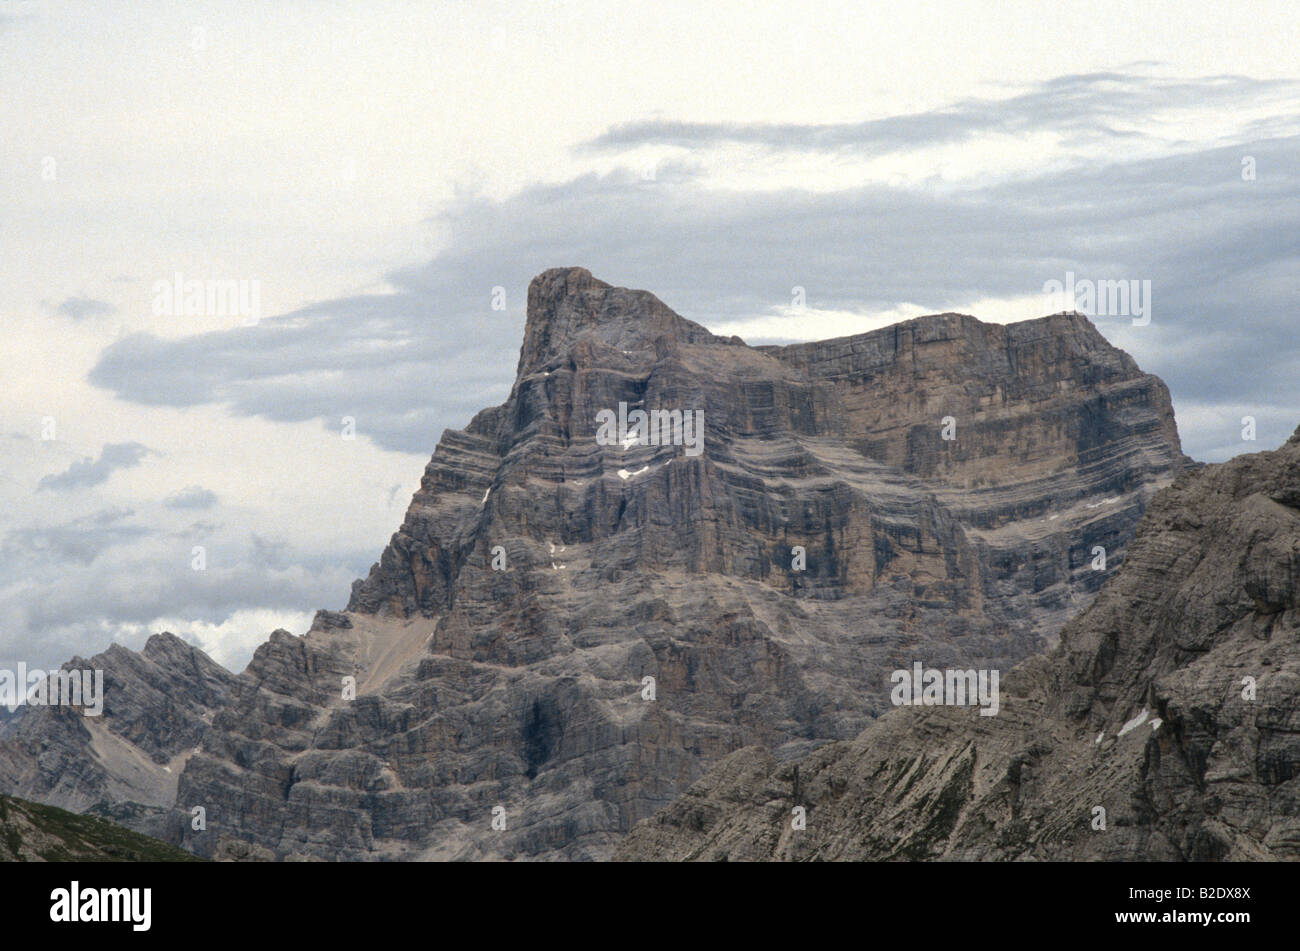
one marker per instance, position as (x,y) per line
(575,625)
(568,304)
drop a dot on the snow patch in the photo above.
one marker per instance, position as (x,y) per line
(1136,722)
(625,475)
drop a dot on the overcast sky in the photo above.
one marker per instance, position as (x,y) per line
(372,171)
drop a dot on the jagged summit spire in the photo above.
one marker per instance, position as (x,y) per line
(566,303)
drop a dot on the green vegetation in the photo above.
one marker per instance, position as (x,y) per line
(30,831)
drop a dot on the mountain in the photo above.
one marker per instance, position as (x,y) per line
(32,832)
(1172,704)
(938,489)
(125,763)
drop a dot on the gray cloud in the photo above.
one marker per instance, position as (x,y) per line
(64,595)
(87,472)
(1223,256)
(80,540)
(307,365)
(1086,107)
(268,553)
(79,308)
(191,497)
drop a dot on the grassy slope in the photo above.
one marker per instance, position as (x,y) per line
(31,832)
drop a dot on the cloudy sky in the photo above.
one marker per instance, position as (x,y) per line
(369,173)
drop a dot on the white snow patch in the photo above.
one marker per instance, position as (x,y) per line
(485,495)
(1053,518)
(1094,505)
(1100,735)
(1136,722)
(1155,724)
(625,475)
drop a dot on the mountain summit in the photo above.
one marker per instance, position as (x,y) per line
(567,629)
(565,304)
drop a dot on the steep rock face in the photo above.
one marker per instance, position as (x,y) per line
(520,694)
(1052,425)
(1165,726)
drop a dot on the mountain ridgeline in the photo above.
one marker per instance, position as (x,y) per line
(567,631)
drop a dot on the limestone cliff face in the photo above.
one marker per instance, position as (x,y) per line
(500,647)
(1168,712)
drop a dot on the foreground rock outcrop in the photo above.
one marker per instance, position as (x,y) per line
(566,631)
(1165,726)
